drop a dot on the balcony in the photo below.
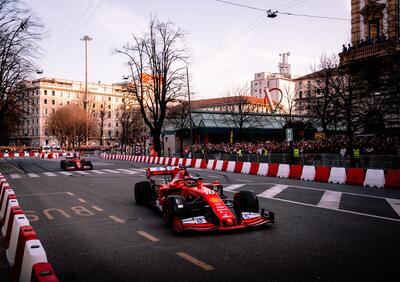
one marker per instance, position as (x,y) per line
(365,52)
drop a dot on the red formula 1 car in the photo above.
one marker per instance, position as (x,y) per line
(189,204)
(75,163)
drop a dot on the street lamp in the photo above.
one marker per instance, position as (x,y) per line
(86,38)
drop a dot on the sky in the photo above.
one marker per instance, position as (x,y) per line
(227,44)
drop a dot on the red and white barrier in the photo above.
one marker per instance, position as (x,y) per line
(283,171)
(263,169)
(15,211)
(308,173)
(231,166)
(210,164)
(246,168)
(338,175)
(43,272)
(7,196)
(19,221)
(219,164)
(374,178)
(11,203)
(33,254)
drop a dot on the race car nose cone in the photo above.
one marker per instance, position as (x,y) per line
(229,222)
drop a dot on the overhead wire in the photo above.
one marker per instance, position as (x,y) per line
(283,13)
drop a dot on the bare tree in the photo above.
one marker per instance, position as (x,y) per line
(240,107)
(157,65)
(70,125)
(19,33)
(132,126)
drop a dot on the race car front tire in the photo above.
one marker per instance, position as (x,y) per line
(245,201)
(174,207)
(89,164)
(142,192)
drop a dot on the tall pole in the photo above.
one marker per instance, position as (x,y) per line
(190,106)
(86,38)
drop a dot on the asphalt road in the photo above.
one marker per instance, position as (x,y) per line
(92,230)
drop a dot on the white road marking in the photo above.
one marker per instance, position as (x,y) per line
(97,208)
(395,204)
(195,261)
(117,219)
(33,175)
(71,194)
(81,172)
(273,191)
(127,171)
(42,194)
(65,173)
(233,187)
(15,176)
(97,171)
(330,200)
(110,170)
(339,210)
(243,180)
(81,200)
(148,236)
(49,174)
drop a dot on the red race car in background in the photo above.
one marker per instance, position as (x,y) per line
(75,163)
(189,204)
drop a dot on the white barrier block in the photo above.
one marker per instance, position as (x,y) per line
(161,160)
(5,155)
(246,168)
(20,220)
(283,171)
(308,173)
(11,203)
(33,254)
(210,164)
(173,161)
(375,178)
(5,202)
(198,163)
(338,175)
(180,161)
(188,162)
(151,159)
(263,169)
(219,164)
(231,166)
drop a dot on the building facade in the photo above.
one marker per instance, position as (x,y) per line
(49,94)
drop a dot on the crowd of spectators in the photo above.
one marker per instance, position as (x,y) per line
(335,145)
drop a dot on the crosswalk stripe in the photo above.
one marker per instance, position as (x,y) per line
(15,176)
(81,172)
(110,170)
(395,204)
(33,175)
(233,187)
(127,171)
(49,174)
(273,191)
(330,200)
(97,171)
(65,173)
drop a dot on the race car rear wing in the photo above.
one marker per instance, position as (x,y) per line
(165,170)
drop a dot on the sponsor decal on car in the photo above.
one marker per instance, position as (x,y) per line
(194,220)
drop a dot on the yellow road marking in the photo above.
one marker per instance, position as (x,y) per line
(117,219)
(195,261)
(148,236)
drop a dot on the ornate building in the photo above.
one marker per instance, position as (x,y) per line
(374,55)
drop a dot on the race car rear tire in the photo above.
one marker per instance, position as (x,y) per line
(172,208)
(142,192)
(63,164)
(89,164)
(245,201)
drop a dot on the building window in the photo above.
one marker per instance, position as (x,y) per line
(94,105)
(109,99)
(109,133)
(117,133)
(67,102)
(109,124)
(374,29)
(45,92)
(109,114)
(116,99)
(123,100)
(109,106)
(53,102)
(116,124)
(53,93)
(45,101)
(101,106)
(373,80)
(45,111)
